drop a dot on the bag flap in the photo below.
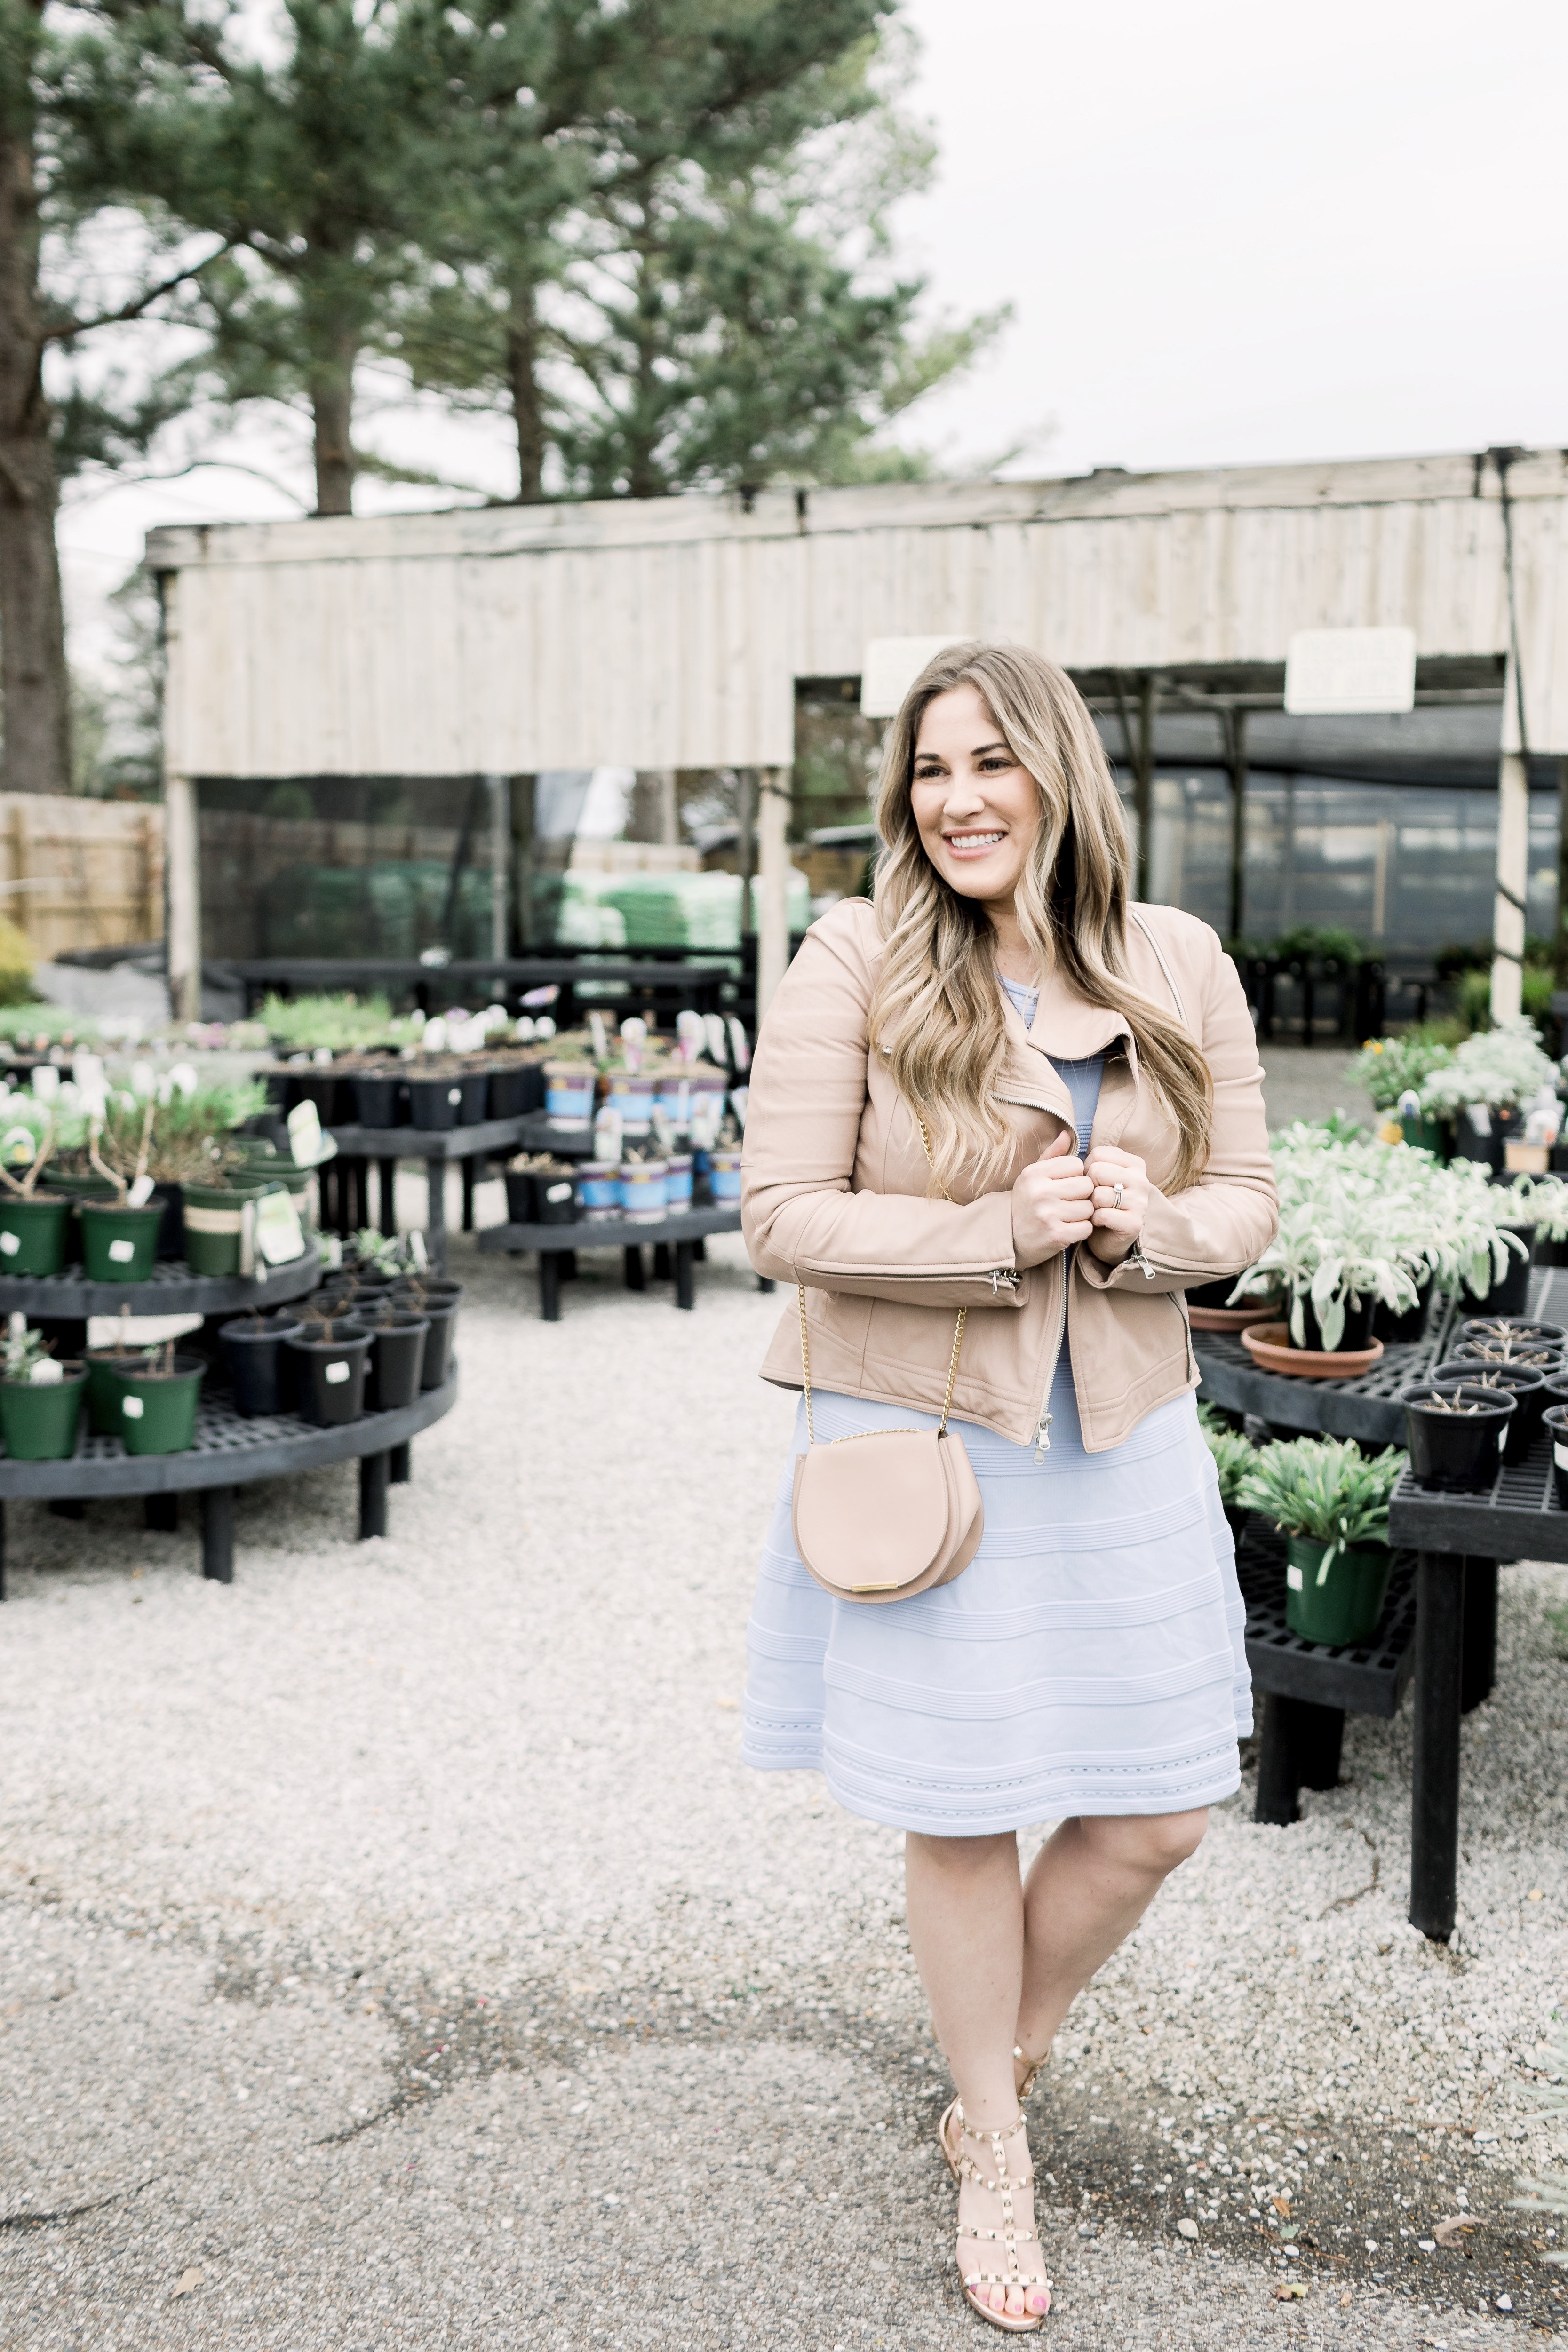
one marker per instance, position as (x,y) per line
(872,1512)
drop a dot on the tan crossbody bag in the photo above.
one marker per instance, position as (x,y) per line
(890,1512)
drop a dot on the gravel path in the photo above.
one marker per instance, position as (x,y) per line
(394,1952)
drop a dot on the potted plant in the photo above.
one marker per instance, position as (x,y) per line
(396,1364)
(33,1225)
(1392,1068)
(1233,1458)
(437,1300)
(1456,1434)
(1540,1203)
(1331,1501)
(329,1371)
(1483,1087)
(158,1402)
(40,1399)
(1525,1383)
(1336,1257)
(1555,1420)
(119,1235)
(259,1368)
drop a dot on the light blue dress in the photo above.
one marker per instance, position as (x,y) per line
(1089,1660)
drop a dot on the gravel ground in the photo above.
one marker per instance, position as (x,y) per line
(393,1950)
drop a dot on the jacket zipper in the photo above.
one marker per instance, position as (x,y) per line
(1043,1427)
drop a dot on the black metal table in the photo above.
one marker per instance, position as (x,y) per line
(387,1145)
(676,1237)
(1459,1540)
(231,1451)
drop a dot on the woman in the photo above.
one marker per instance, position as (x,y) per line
(1002,1087)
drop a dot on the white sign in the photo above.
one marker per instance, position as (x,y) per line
(1343,671)
(891,666)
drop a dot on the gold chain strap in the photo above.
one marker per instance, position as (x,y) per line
(957,1330)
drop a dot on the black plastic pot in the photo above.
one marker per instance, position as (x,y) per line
(519,1196)
(1456,1453)
(396,1360)
(1511,1295)
(515,1089)
(1357,1332)
(1551,1253)
(442,1316)
(1555,1419)
(260,1372)
(329,1372)
(1528,1388)
(1545,1359)
(435,1103)
(413,1290)
(329,1090)
(172,1232)
(474,1087)
(1481,1327)
(1212,1294)
(379,1099)
(1401,1330)
(555,1197)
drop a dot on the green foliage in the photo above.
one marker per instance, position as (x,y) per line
(1503,1067)
(28,1021)
(1325,1487)
(300,1025)
(16,961)
(1390,1067)
(1235,1456)
(1321,943)
(1538,984)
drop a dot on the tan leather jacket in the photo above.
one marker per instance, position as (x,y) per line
(834,1195)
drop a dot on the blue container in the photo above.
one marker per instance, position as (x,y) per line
(678,1184)
(672,1094)
(569,1094)
(724,1175)
(645,1190)
(599,1189)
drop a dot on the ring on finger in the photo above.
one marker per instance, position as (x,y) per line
(1116,1196)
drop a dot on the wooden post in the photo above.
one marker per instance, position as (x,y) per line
(746,841)
(669,806)
(1140,748)
(523,798)
(773,869)
(1235,725)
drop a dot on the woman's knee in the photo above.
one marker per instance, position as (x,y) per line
(1155,1844)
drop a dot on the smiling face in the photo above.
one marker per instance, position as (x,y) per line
(976,807)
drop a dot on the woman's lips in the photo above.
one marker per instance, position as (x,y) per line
(972,844)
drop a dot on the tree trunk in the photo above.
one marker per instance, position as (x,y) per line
(521,370)
(331,406)
(36,712)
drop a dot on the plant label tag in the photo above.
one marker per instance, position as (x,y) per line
(133,1408)
(454,1096)
(10,1244)
(122,1252)
(335,1374)
(141,1192)
(279,1236)
(1560,1454)
(1293,1577)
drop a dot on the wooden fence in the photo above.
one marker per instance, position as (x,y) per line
(81,873)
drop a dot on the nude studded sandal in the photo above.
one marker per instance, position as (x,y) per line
(986,2164)
(1033,2069)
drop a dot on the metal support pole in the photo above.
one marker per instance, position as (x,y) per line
(1435,1765)
(218,1534)
(183,886)
(501,857)
(1513,862)
(373,1470)
(773,866)
(746,841)
(1479,1670)
(436,1212)
(1235,724)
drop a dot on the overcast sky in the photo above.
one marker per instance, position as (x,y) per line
(1229,232)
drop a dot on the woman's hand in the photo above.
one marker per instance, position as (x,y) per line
(1117,1224)
(1051,1205)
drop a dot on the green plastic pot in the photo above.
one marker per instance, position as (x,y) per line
(214,1223)
(158,1410)
(78,1189)
(39,1419)
(104,1368)
(1344,1605)
(119,1245)
(33,1236)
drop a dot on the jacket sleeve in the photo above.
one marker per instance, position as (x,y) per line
(1225,1221)
(801,1219)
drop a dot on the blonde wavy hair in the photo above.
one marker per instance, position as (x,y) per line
(937,1007)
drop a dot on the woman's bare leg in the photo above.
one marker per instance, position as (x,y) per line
(1091,1884)
(966,1903)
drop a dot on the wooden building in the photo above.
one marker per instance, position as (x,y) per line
(669,633)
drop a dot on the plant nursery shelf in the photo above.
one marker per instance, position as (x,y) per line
(435,1146)
(1366,1407)
(678,1234)
(170,1289)
(232,1450)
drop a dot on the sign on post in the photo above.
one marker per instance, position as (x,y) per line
(1340,672)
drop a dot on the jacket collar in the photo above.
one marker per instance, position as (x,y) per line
(1064,1027)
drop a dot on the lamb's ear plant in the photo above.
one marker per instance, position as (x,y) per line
(1234,1456)
(1325,1488)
